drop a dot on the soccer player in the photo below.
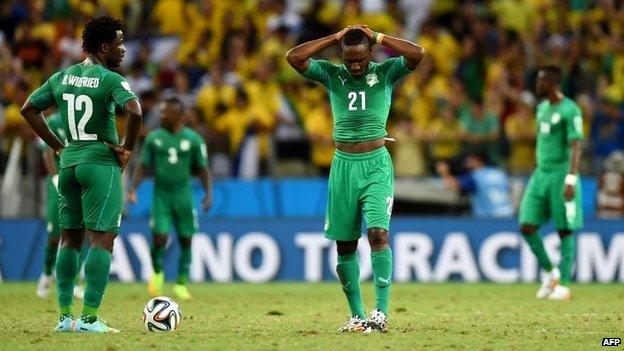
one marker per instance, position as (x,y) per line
(90,195)
(554,190)
(174,151)
(361,176)
(52,163)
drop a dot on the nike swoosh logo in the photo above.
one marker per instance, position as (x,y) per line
(386,280)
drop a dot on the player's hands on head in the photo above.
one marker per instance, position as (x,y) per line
(369,32)
(206,203)
(341,34)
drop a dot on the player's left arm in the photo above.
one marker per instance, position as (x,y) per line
(574,129)
(125,98)
(412,52)
(200,161)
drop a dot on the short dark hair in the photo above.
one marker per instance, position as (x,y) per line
(354,37)
(174,100)
(553,73)
(100,30)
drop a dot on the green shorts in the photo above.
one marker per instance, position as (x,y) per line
(359,184)
(90,196)
(543,199)
(173,207)
(52,209)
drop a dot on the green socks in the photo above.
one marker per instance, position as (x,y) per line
(49,258)
(382,277)
(537,246)
(348,270)
(184,262)
(567,259)
(158,257)
(97,268)
(66,271)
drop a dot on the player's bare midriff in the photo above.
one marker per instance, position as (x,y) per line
(358,148)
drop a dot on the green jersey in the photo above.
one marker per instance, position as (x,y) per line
(86,96)
(174,156)
(56,125)
(557,126)
(360,105)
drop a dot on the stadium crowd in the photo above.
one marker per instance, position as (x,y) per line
(225,60)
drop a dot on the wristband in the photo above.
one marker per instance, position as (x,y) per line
(570,179)
(379,37)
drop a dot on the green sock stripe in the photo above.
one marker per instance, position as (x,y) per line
(537,247)
(97,268)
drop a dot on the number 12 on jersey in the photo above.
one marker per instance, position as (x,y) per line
(80,103)
(352,96)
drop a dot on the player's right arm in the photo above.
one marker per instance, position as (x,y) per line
(32,111)
(299,56)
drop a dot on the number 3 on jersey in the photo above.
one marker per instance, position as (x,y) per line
(173,155)
(352,96)
(80,103)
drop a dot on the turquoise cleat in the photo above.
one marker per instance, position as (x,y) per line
(98,326)
(65,324)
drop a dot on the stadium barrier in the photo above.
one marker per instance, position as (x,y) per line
(425,249)
(301,197)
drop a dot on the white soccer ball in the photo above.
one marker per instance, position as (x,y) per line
(161,314)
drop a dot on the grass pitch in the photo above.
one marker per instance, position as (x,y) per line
(295,316)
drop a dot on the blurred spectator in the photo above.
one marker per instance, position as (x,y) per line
(481,56)
(216,89)
(471,69)
(241,124)
(181,89)
(488,186)
(407,150)
(444,135)
(520,129)
(610,197)
(319,127)
(138,79)
(481,130)
(607,131)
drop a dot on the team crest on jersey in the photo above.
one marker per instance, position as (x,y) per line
(185,145)
(556,117)
(371,79)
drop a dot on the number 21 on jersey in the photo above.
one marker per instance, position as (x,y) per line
(79,103)
(353,97)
